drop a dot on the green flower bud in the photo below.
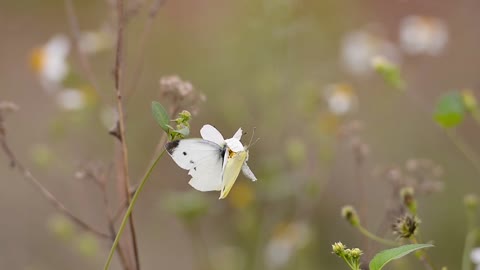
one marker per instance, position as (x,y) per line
(471,201)
(408,199)
(338,248)
(349,214)
(356,253)
(87,245)
(389,72)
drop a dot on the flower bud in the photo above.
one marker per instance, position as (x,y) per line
(408,199)
(356,253)
(349,213)
(338,248)
(471,201)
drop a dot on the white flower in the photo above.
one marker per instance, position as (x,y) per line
(359,47)
(71,99)
(475,257)
(423,35)
(50,60)
(95,41)
(340,98)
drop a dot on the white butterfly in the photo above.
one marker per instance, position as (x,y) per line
(213,162)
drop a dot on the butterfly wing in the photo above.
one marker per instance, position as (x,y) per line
(203,159)
(232,170)
(210,133)
(247,172)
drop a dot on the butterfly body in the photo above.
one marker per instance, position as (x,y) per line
(213,162)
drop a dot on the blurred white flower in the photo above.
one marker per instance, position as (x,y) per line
(340,98)
(50,60)
(359,47)
(423,35)
(287,239)
(475,257)
(71,99)
(95,41)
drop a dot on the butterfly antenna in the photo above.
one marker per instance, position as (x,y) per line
(258,139)
(251,138)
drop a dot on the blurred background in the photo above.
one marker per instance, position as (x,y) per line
(332,131)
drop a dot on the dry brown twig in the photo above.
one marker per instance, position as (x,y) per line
(15,163)
(123,177)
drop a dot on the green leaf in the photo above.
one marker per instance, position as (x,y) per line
(450,110)
(161,116)
(384,257)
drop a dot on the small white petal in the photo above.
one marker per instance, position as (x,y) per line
(475,255)
(71,99)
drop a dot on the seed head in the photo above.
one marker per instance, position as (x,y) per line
(406,226)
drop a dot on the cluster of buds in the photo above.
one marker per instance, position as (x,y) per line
(406,226)
(351,256)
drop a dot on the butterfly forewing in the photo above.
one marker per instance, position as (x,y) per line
(203,159)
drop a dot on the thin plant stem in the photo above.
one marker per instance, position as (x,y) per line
(464,148)
(130,209)
(374,237)
(118,72)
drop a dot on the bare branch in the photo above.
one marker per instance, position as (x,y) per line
(27,175)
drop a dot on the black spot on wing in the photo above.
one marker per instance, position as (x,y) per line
(171,146)
(191,161)
(184,153)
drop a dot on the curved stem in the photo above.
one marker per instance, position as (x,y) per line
(464,148)
(374,237)
(129,210)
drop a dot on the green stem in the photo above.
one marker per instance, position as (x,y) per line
(374,237)
(130,209)
(423,256)
(464,148)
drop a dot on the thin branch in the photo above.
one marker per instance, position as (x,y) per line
(16,164)
(76,34)
(118,72)
(137,71)
(111,225)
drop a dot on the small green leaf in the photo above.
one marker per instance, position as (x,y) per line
(160,115)
(384,257)
(450,110)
